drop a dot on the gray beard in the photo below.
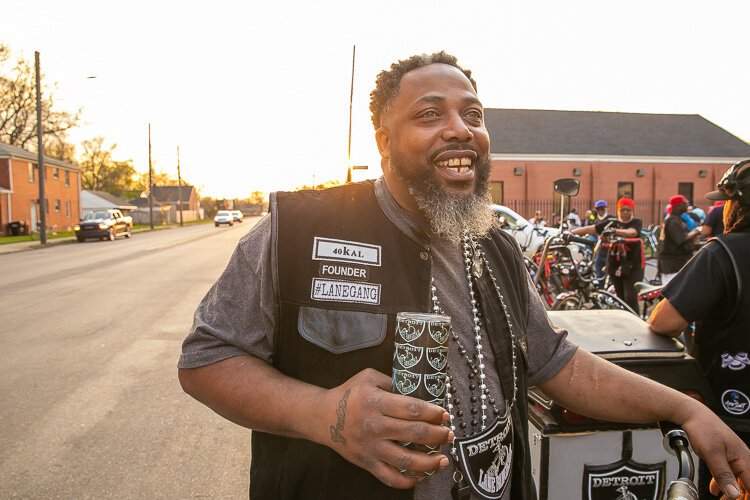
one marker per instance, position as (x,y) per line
(451,216)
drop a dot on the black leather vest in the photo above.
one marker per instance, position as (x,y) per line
(342,270)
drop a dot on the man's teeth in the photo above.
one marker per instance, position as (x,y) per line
(460,165)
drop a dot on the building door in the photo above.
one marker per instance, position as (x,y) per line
(496,191)
(32,217)
(686,190)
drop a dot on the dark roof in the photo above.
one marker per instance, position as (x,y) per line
(169,194)
(16,152)
(115,200)
(143,203)
(531,131)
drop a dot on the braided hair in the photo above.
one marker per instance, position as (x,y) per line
(388,82)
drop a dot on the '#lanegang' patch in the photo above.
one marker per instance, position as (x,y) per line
(345,291)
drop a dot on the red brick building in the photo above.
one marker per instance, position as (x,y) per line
(19,190)
(649,157)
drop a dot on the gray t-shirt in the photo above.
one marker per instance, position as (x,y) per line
(236,318)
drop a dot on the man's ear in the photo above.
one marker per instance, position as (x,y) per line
(383,140)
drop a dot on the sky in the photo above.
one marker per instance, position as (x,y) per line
(256,94)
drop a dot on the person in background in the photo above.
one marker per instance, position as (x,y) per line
(709,292)
(600,209)
(538,219)
(574,220)
(713,225)
(691,221)
(588,217)
(625,263)
(676,242)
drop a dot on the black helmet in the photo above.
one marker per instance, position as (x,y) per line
(734,184)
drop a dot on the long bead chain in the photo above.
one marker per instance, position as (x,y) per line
(470,247)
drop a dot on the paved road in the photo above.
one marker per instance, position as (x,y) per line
(91,406)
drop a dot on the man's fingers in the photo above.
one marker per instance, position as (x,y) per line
(413,462)
(726,482)
(408,408)
(407,431)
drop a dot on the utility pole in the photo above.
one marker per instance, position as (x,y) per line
(179,184)
(40,147)
(150,183)
(351,98)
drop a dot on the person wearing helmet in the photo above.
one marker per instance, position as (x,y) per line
(713,290)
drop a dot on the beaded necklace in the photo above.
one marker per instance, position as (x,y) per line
(475,260)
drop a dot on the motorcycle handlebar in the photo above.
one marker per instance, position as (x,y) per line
(577,239)
(676,443)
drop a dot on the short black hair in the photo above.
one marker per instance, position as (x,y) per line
(388,81)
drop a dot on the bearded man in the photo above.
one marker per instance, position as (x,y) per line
(296,338)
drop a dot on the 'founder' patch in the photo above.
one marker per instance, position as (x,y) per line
(345,291)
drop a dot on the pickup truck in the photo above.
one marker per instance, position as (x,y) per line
(104,224)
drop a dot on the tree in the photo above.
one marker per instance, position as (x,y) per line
(18,110)
(101,172)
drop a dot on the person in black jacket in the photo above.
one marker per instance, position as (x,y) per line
(625,261)
(676,242)
(713,290)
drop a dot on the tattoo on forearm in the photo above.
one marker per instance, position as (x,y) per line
(336,430)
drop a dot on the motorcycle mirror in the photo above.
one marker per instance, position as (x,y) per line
(567,187)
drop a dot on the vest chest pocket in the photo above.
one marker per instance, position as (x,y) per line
(341,331)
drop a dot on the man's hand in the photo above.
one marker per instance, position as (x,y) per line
(366,422)
(723,451)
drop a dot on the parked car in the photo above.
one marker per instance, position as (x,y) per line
(224,217)
(104,224)
(529,237)
(238,216)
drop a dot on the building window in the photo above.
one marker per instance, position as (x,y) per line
(496,191)
(31,172)
(68,209)
(686,190)
(57,206)
(624,189)
(67,178)
(55,173)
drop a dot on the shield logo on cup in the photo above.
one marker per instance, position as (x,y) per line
(410,330)
(406,382)
(435,384)
(408,355)
(437,357)
(439,332)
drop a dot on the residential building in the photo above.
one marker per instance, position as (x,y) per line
(92,201)
(166,205)
(171,196)
(19,191)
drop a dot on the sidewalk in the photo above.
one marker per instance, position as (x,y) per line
(33,245)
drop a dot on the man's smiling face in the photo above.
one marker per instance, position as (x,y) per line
(433,142)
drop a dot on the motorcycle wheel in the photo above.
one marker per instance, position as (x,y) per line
(569,303)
